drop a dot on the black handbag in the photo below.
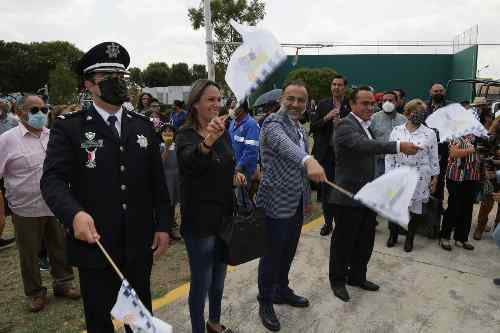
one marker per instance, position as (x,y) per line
(244,234)
(431,219)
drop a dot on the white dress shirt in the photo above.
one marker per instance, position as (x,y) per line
(105,115)
(366,125)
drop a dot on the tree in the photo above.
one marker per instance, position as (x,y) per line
(198,72)
(136,76)
(318,80)
(222,11)
(157,74)
(26,67)
(63,85)
(180,75)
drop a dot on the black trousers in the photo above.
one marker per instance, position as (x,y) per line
(99,288)
(458,215)
(329,165)
(352,244)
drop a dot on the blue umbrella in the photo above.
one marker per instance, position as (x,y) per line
(270,96)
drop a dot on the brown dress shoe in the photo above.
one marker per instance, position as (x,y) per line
(38,303)
(71,293)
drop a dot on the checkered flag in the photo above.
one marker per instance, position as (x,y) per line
(130,310)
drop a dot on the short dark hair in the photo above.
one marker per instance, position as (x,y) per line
(391,92)
(401,92)
(355,92)
(339,76)
(178,103)
(299,83)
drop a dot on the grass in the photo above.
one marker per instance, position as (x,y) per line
(66,316)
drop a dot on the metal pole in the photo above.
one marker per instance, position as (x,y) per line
(209,40)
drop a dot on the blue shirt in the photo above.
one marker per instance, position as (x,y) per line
(245,141)
(177,119)
(7,123)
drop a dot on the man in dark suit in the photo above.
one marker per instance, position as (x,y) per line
(328,112)
(354,236)
(103,179)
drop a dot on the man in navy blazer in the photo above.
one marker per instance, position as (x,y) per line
(284,194)
(354,235)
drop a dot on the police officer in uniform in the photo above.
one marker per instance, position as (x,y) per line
(103,179)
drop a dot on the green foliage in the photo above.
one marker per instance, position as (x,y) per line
(198,72)
(157,74)
(318,80)
(63,85)
(136,76)
(180,75)
(242,11)
(26,67)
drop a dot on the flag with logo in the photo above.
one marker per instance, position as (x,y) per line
(253,61)
(130,310)
(390,194)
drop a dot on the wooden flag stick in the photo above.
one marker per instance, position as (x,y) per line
(340,189)
(106,254)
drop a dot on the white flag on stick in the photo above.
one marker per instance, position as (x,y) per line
(454,121)
(253,61)
(390,194)
(130,310)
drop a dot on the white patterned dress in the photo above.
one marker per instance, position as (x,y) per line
(426,161)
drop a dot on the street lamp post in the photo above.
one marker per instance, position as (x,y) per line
(209,40)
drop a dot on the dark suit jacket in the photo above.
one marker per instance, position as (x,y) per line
(355,156)
(125,192)
(323,131)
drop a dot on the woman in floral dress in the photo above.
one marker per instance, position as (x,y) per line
(426,162)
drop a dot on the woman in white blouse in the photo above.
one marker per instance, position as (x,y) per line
(425,162)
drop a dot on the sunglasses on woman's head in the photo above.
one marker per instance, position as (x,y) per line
(35,109)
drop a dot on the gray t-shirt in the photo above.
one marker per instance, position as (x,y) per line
(6,124)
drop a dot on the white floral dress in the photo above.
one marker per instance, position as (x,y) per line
(426,161)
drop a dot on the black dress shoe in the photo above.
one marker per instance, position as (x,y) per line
(326,230)
(393,240)
(268,317)
(408,244)
(367,285)
(341,292)
(224,329)
(496,282)
(292,300)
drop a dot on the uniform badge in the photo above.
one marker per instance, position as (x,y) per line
(142,141)
(90,158)
(113,50)
(90,146)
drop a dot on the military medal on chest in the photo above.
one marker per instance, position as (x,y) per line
(91,145)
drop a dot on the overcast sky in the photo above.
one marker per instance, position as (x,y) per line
(159,30)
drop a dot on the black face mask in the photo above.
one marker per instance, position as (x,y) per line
(438,98)
(417,118)
(113,91)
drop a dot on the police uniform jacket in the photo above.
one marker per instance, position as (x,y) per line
(118,181)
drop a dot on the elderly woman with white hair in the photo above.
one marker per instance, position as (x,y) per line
(426,162)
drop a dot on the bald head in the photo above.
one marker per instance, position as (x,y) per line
(437,88)
(26,105)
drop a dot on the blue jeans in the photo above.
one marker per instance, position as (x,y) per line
(283,237)
(208,272)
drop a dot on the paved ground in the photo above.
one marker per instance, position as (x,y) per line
(429,290)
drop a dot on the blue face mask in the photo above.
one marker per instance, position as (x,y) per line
(37,120)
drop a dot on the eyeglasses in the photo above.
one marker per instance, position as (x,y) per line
(35,109)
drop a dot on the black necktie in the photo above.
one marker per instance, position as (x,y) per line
(112,120)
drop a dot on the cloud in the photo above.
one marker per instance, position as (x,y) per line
(159,30)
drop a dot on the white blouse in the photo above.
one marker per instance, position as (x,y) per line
(426,161)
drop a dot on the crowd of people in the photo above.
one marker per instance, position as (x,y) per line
(74,177)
